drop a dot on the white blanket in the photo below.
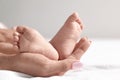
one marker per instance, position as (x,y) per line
(100,62)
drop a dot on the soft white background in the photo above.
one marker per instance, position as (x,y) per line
(101,17)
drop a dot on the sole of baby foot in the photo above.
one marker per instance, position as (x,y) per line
(67,37)
(31,40)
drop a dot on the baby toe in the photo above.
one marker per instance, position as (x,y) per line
(16,36)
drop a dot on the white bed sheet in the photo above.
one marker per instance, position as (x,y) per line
(100,62)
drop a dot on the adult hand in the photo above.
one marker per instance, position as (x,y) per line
(38,64)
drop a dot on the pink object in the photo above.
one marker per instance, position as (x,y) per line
(76,65)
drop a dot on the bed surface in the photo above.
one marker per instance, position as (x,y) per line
(100,62)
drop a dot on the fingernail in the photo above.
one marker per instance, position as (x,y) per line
(76,65)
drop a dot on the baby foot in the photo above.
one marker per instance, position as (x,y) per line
(29,40)
(67,37)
